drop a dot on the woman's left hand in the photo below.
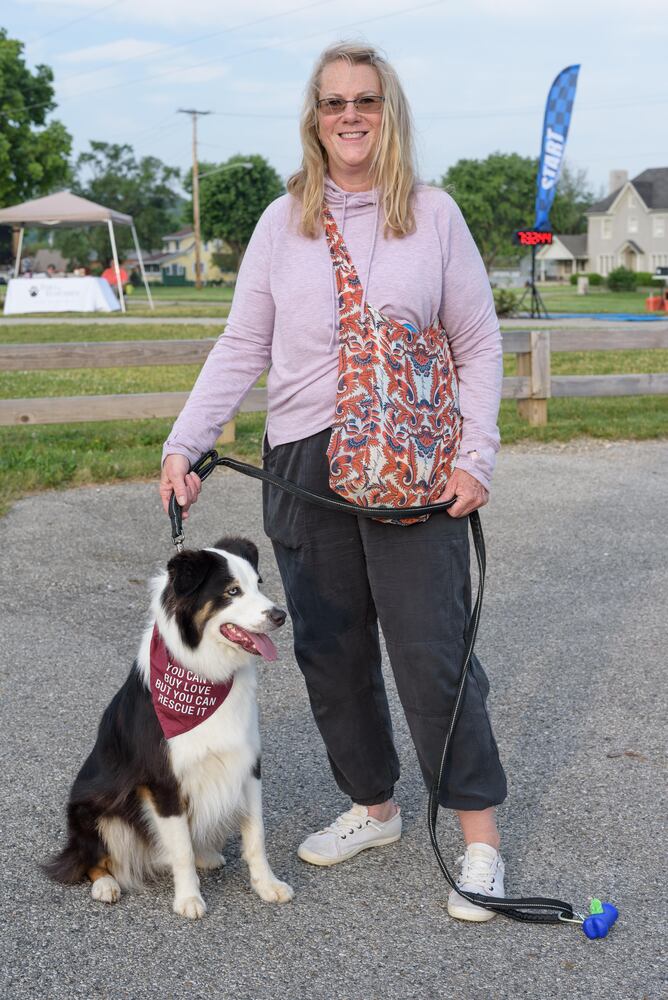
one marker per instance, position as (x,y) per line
(470,494)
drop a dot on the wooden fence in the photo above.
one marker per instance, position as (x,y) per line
(531,387)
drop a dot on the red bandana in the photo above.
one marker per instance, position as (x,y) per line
(181,699)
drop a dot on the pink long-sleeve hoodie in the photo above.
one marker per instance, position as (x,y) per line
(284,317)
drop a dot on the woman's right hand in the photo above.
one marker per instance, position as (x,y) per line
(176,477)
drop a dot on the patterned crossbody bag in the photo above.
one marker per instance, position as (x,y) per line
(397,425)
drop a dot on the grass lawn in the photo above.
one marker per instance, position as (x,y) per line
(185,302)
(64,333)
(60,455)
(218,293)
(564,298)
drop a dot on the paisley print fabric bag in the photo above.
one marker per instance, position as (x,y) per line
(397,424)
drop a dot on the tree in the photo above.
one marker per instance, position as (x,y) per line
(574,196)
(497,196)
(233,199)
(33,155)
(145,188)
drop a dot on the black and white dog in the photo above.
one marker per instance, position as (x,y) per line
(176,765)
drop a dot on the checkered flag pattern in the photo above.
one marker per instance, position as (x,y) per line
(555,132)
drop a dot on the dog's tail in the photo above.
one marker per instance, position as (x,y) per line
(70,865)
(82,851)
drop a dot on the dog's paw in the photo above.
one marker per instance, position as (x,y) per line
(106,889)
(192,907)
(274,891)
(209,860)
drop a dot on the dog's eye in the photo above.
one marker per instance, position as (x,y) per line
(233,591)
(260,580)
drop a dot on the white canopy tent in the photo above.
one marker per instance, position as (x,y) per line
(66,210)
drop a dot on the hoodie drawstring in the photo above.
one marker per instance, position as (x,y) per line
(371,251)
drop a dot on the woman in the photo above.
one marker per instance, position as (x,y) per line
(344,575)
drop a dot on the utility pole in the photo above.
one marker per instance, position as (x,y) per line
(198,254)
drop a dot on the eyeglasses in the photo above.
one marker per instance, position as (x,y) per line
(370,105)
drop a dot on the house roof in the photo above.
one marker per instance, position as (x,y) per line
(632,245)
(180,233)
(575,243)
(651,185)
(61,209)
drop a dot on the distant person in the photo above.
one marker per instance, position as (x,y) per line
(109,275)
(51,271)
(402,249)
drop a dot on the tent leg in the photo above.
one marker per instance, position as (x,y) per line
(119,283)
(19,248)
(141,268)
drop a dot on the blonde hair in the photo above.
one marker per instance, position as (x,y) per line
(393,165)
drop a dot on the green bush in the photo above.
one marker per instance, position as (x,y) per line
(644,279)
(594,279)
(505,301)
(622,280)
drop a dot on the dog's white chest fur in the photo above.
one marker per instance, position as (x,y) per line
(212,762)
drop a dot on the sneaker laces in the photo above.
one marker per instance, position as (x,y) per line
(346,824)
(478,871)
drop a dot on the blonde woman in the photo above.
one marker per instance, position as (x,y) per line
(343,575)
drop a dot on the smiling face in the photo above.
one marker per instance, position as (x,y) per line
(349,138)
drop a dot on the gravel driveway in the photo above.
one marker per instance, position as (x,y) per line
(573,636)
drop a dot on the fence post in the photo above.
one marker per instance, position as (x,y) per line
(536,365)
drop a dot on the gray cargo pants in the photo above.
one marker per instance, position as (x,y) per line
(343,576)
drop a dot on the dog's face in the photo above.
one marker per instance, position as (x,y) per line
(213,597)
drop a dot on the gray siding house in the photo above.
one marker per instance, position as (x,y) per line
(629,228)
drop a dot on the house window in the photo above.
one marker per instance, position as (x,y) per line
(606,228)
(633,223)
(659,260)
(606,263)
(659,225)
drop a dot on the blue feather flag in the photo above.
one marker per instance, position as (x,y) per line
(555,132)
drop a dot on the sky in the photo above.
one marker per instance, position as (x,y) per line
(476,72)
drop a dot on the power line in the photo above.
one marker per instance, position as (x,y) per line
(77,20)
(198,38)
(247,52)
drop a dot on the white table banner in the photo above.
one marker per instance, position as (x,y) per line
(37,295)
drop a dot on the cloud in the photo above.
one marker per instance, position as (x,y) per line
(120,50)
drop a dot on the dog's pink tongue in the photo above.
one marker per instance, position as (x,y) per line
(264,645)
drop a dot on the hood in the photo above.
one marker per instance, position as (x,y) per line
(345,204)
(352,201)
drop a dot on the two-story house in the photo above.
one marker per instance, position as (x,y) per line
(177,261)
(629,228)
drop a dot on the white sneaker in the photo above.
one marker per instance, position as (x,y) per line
(482,871)
(352,832)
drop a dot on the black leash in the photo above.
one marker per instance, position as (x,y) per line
(529,909)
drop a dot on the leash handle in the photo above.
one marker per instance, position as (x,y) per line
(203,467)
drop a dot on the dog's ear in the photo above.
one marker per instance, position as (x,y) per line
(242,547)
(188,570)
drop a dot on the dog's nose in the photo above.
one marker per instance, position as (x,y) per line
(276,616)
